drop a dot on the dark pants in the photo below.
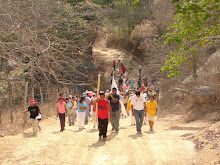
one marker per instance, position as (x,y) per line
(103,126)
(139,117)
(62,120)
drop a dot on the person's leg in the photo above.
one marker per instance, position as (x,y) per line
(94,119)
(117,117)
(35,124)
(61,116)
(151,121)
(72,117)
(87,116)
(130,114)
(105,128)
(69,118)
(136,114)
(38,125)
(113,121)
(100,127)
(83,121)
(141,118)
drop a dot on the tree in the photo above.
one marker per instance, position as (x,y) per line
(196,24)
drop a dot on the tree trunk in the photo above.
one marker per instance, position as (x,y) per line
(25,101)
(32,80)
(41,96)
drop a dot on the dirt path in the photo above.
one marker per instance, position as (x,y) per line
(164,146)
(105,57)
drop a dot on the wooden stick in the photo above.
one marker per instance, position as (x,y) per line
(98,89)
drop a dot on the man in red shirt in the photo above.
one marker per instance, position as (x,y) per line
(103,114)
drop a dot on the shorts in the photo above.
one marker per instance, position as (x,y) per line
(150,117)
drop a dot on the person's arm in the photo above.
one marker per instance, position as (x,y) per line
(132,109)
(113,98)
(65,110)
(25,111)
(82,108)
(110,110)
(57,111)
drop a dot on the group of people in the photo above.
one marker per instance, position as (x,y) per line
(140,103)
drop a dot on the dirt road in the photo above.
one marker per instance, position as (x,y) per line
(162,147)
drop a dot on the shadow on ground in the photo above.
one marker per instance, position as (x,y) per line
(97,144)
(135,136)
(29,135)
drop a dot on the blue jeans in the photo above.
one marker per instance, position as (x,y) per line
(87,116)
(139,117)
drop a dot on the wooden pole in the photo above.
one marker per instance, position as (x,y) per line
(98,89)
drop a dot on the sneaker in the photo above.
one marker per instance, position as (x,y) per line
(100,137)
(104,139)
(151,129)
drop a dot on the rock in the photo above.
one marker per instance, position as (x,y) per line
(209,70)
(203,94)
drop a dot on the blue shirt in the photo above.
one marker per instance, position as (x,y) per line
(81,105)
(131,82)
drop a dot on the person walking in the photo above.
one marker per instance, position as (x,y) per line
(139,83)
(151,111)
(120,81)
(75,107)
(70,111)
(103,114)
(140,69)
(113,65)
(87,101)
(61,96)
(111,78)
(132,84)
(114,102)
(123,69)
(138,106)
(34,112)
(129,110)
(61,113)
(81,112)
(119,64)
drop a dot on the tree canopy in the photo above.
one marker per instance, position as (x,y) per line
(196,24)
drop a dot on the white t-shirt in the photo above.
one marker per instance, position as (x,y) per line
(138,103)
(124,100)
(140,67)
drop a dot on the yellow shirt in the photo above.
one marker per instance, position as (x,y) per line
(129,105)
(151,107)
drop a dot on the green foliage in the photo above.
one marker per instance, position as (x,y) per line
(196,24)
(102,2)
(25,70)
(74,2)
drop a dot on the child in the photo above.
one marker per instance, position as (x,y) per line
(34,112)
(103,114)
(61,112)
(151,111)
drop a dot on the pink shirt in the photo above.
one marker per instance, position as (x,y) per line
(61,107)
